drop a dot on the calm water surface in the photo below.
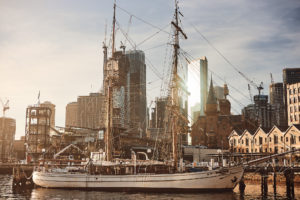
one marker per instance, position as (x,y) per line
(252,192)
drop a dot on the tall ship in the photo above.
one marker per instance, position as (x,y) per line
(104,172)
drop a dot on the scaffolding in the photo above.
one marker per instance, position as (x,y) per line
(37,132)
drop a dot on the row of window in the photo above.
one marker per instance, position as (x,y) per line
(294,118)
(294,109)
(294,99)
(294,91)
(261,150)
(260,141)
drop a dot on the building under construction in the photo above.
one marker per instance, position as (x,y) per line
(37,130)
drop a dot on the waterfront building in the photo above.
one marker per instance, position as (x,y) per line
(260,140)
(246,141)
(234,141)
(293,103)
(292,138)
(275,140)
(7,136)
(71,115)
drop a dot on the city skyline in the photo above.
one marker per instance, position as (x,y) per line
(56,47)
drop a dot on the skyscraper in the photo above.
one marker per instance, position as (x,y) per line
(203,84)
(91,111)
(290,76)
(136,94)
(277,101)
(7,136)
(71,114)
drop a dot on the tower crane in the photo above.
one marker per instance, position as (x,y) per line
(5,106)
(250,93)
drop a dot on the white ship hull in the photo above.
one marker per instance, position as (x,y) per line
(206,180)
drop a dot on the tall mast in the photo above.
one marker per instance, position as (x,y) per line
(175,84)
(113,33)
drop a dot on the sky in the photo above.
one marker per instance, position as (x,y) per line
(55,46)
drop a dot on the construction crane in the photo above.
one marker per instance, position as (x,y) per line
(5,106)
(272,80)
(250,93)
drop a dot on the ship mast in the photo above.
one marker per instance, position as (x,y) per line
(113,33)
(175,84)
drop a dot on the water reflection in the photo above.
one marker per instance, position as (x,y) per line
(40,193)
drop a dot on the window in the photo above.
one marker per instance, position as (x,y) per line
(299,138)
(270,149)
(294,91)
(295,100)
(242,141)
(295,108)
(265,140)
(287,139)
(293,140)
(296,118)
(299,90)
(270,139)
(291,109)
(290,91)
(276,149)
(247,142)
(281,139)
(255,141)
(291,118)
(275,139)
(261,140)
(247,150)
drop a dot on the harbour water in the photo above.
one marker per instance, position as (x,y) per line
(252,192)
